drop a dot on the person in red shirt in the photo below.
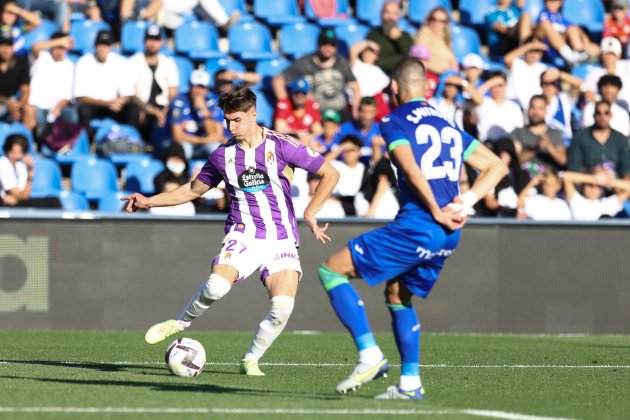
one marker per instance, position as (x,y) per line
(618,23)
(298,114)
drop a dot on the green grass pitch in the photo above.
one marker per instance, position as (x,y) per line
(95,375)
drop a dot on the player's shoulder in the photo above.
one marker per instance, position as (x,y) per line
(281,139)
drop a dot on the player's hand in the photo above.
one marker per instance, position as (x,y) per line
(452,216)
(134,202)
(318,232)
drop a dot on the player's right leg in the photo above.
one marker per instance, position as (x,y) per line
(218,285)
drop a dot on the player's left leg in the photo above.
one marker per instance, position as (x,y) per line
(282,287)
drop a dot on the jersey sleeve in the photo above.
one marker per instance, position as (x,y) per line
(210,174)
(469,144)
(301,156)
(393,133)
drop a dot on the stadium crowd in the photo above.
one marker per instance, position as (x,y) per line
(99,97)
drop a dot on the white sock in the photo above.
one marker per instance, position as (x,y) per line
(371,355)
(270,328)
(183,324)
(409,383)
(208,292)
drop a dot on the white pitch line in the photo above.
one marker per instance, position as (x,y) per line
(306,364)
(285,411)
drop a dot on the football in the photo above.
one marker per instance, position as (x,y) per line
(185,357)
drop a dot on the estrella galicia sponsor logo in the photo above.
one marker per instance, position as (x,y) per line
(253,180)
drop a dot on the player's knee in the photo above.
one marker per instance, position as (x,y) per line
(397,294)
(216,287)
(281,308)
(329,278)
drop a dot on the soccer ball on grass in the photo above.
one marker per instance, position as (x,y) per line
(185,357)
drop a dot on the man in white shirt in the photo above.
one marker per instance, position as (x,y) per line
(351,171)
(155,81)
(612,63)
(102,85)
(609,86)
(52,75)
(498,116)
(525,67)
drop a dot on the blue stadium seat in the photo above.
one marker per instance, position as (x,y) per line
(228,63)
(250,41)
(198,40)
(581,70)
(40,33)
(267,69)
(6,129)
(343,8)
(298,39)
(464,40)
(110,202)
(84,34)
(46,177)
(264,109)
(278,12)
(534,7)
(139,175)
(473,12)
(349,35)
(80,148)
(407,26)
(72,201)
(588,14)
(419,9)
(93,177)
(369,11)
(184,68)
(231,6)
(132,36)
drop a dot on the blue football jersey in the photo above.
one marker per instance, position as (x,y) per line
(438,145)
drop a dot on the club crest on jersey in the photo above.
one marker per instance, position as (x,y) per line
(253,180)
(271,157)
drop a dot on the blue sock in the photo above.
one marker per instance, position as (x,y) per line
(348,306)
(407,333)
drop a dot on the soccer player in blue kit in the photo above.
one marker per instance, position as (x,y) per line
(409,252)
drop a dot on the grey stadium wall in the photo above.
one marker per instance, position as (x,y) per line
(122,272)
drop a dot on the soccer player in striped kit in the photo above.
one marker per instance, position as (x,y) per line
(261,228)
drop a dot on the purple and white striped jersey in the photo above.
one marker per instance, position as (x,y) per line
(258,182)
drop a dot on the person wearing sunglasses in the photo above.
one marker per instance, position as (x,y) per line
(609,86)
(436,35)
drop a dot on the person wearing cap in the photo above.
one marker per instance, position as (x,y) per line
(609,86)
(507,26)
(617,24)
(323,142)
(194,120)
(155,81)
(393,42)
(371,78)
(102,85)
(14,84)
(328,73)
(52,75)
(526,66)
(472,67)
(299,113)
(15,19)
(610,57)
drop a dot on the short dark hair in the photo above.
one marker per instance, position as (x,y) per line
(609,79)
(407,70)
(240,99)
(14,139)
(367,100)
(602,102)
(351,139)
(541,97)
(498,73)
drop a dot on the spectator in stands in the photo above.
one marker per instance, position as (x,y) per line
(52,75)
(537,143)
(600,145)
(16,21)
(174,12)
(525,69)
(14,84)
(185,209)
(371,78)
(88,8)
(102,85)
(155,82)
(298,114)
(378,196)
(330,130)
(193,118)
(544,204)
(139,9)
(55,10)
(559,103)
(436,35)
(364,127)
(507,26)
(326,9)
(175,167)
(224,79)
(332,208)
(472,66)
(497,115)
(609,87)
(393,42)
(329,75)
(586,199)
(567,39)
(611,64)
(351,171)
(503,200)
(16,176)
(617,24)
(448,102)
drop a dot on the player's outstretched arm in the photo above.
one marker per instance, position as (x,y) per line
(329,178)
(491,171)
(183,194)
